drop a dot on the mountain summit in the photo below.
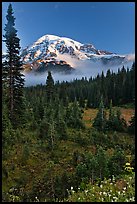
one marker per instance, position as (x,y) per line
(64,54)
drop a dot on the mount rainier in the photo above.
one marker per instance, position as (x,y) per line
(61,54)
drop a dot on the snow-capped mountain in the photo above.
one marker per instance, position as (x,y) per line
(65,53)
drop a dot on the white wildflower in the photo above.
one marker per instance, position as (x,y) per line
(104,193)
(123,192)
(115,198)
(132,199)
(119,192)
(113,177)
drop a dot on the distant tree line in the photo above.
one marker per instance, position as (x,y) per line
(118,87)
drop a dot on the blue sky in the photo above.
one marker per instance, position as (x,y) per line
(107,25)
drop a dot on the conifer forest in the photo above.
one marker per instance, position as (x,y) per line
(66,141)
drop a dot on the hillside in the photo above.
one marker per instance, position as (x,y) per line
(32,171)
(91,113)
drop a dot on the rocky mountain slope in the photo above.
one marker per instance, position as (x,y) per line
(63,54)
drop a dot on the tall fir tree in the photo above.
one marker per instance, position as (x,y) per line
(49,87)
(12,77)
(100,120)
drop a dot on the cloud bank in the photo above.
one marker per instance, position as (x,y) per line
(82,69)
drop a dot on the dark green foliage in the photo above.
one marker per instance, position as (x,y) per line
(92,165)
(49,87)
(61,126)
(116,162)
(100,120)
(13,79)
(102,163)
(131,128)
(74,115)
(99,138)
(62,183)
(114,122)
(25,154)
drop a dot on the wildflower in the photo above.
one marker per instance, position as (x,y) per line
(132,199)
(101,186)
(115,198)
(37,199)
(113,177)
(71,187)
(109,179)
(104,193)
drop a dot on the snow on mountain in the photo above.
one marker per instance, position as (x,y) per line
(50,50)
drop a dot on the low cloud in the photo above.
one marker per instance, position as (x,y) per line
(83,68)
(131,57)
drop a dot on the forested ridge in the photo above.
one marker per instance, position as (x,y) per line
(118,87)
(48,152)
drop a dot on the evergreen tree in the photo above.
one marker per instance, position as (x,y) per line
(115,121)
(132,73)
(120,122)
(100,120)
(92,165)
(51,134)
(111,120)
(13,79)
(60,122)
(102,162)
(116,162)
(49,87)
(131,127)
(74,115)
